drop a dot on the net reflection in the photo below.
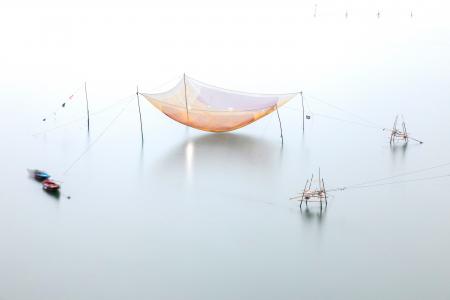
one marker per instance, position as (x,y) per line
(225,160)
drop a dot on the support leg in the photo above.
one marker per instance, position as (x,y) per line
(303,194)
(87,104)
(140,116)
(312,176)
(281,128)
(405,132)
(185,98)
(303,113)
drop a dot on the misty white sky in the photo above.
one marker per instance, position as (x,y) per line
(152,41)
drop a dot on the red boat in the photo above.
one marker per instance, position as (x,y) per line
(50,185)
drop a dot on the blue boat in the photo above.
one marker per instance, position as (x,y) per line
(39,175)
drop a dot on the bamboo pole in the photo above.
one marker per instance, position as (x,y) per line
(140,115)
(303,194)
(303,112)
(185,97)
(325,191)
(87,104)
(281,128)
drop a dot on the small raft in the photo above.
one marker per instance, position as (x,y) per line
(50,186)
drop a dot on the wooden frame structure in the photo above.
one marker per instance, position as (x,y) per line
(400,134)
(311,194)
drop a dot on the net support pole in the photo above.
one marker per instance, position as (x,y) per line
(87,104)
(140,115)
(303,113)
(281,128)
(185,97)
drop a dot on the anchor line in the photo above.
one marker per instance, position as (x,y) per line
(97,112)
(96,139)
(388,183)
(378,182)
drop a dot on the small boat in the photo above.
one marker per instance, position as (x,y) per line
(39,175)
(50,186)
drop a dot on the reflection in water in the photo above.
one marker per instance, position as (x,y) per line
(314,214)
(401,149)
(218,156)
(398,150)
(189,158)
(54,194)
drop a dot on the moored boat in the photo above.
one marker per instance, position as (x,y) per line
(50,186)
(39,175)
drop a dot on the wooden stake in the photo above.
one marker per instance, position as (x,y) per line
(87,104)
(185,97)
(303,112)
(405,132)
(303,194)
(319,177)
(281,128)
(140,116)
(323,185)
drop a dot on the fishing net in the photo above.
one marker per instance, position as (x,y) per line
(209,108)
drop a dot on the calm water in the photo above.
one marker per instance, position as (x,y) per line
(195,215)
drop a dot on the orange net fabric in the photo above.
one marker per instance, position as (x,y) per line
(214,109)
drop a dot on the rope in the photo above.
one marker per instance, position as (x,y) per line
(372,183)
(334,118)
(346,111)
(394,182)
(96,139)
(63,104)
(237,91)
(343,120)
(83,118)
(91,114)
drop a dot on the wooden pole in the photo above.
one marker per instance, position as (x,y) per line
(185,97)
(405,132)
(87,104)
(394,130)
(325,192)
(281,128)
(319,178)
(303,194)
(303,112)
(140,116)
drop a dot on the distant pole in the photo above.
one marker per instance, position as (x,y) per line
(319,176)
(303,112)
(140,116)
(281,128)
(185,97)
(315,10)
(87,104)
